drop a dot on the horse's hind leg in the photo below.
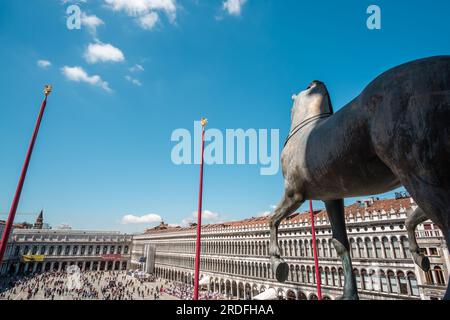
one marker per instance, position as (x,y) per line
(288,205)
(413,140)
(335,210)
(434,200)
(416,218)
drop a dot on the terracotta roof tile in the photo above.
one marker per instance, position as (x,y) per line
(375,205)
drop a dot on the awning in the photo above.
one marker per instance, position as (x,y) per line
(269,294)
(33,258)
(204,281)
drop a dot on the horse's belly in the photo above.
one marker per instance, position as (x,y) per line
(369,178)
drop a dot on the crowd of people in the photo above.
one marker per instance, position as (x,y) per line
(97,285)
(104,285)
(184,291)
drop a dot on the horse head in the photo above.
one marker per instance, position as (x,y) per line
(313,101)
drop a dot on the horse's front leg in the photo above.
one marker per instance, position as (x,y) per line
(336,214)
(413,220)
(289,203)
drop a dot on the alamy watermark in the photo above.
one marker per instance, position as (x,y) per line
(74,17)
(232,147)
(374,20)
(73,21)
(73,278)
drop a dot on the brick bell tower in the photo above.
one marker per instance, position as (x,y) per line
(39,221)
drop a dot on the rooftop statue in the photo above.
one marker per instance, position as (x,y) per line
(396,132)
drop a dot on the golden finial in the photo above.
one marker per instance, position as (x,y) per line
(47,89)
(204,122)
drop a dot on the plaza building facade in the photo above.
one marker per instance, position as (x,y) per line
(8,250)
(235,255)
(38,250)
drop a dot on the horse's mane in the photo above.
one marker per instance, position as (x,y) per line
(328,94)
(329,102)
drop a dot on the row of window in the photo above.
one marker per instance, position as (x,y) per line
(57,266)
(435,276)
(386,248)
(366,280)
(71,238)
(381,281)
(431,252)
(69,250)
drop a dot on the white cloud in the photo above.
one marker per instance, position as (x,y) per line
(99,52)
(91,22)
(186,222)
(268,212)
(145,10)
(233,7)
(133,81)
(64,226)
(264,214)
(77,74)
(137,68)
(44,63)
(207,217)
(146,219)
(73,1)
(140,7)
(148,21)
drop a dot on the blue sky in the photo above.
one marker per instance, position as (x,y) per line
(137,70)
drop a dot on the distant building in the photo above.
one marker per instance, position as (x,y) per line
(235,255)
(2,227)
(39,250)
(24,225)
(8,251)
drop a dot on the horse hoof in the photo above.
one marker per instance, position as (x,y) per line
(422,261)
(280,269)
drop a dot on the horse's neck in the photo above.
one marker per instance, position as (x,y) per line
(307,123)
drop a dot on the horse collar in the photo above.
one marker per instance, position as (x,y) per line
(305,122)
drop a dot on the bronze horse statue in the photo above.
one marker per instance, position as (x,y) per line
(396,132)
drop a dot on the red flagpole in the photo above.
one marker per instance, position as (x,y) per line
(15,203)
(199,217)
(316,259)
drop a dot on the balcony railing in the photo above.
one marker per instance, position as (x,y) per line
(435,233)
